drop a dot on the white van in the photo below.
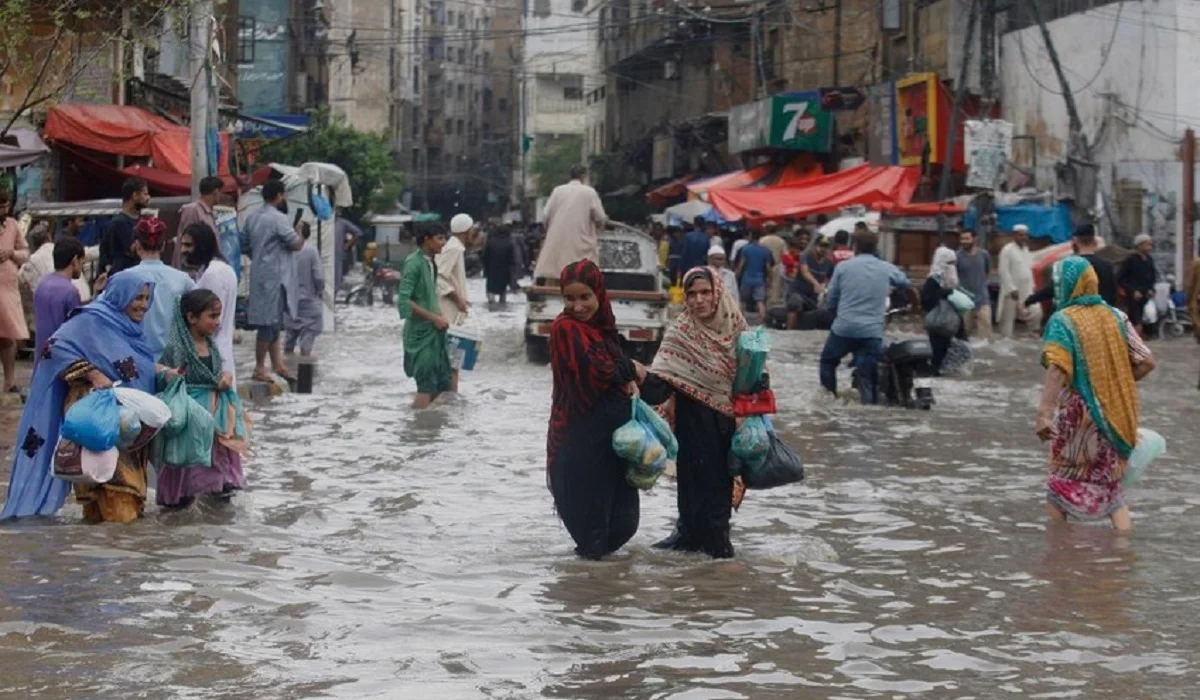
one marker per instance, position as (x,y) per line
(629,260)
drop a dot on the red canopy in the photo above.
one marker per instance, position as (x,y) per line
(662,194)
(127,131)
(866,185)
(923,208)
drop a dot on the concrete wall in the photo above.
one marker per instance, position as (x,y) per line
(362,92)
(1130,68)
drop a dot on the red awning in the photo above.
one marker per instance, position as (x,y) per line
(864,185)
(732,180)
(659,196)
(127,131)
(922,208)
(166,183)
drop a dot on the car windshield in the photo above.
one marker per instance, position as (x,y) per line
(616,254)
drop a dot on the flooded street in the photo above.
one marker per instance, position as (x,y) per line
(382,554)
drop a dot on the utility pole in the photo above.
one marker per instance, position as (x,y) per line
(985,202)
(199,41)
(960,92)
(1189,202)
(1078,176)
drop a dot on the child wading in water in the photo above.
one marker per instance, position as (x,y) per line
(190,347)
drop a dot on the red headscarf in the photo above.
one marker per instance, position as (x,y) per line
(152,231)
(585,356)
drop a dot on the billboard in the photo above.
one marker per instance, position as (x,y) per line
(794,121)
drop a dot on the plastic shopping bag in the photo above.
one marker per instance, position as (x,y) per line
(94,421)
(943,320)
(782,466)
(751,443)
(961,301)
(79,465)
(176,398)
(752,349)
(191,447)
(1149,446)
(638,442)
(150,409)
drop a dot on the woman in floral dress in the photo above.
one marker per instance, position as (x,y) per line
(1089,407)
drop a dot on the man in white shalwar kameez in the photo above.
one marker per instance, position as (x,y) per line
(452,276)
(574,219)
(1016,283)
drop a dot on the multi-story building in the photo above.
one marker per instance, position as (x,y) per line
(556,74)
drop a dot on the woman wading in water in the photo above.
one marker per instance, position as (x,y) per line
(1089,408)
(695,368)
(593,380)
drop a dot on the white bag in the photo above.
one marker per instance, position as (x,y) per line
(1150,313)
(1150,445)
(151,409)
(82,466)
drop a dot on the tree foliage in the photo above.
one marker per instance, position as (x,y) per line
(366,158)
(551,163)
(46,45)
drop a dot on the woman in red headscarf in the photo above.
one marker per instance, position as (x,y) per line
(593,380)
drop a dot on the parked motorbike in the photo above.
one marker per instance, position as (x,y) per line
(1175,320)
(381,277)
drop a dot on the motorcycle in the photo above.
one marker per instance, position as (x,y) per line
(1175,321)
(905,373)
(385,278)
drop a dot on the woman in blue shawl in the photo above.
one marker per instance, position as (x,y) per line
(100,344)
(192,348)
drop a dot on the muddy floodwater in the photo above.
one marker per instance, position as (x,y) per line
(382,554)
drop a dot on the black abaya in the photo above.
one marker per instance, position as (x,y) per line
(705,487)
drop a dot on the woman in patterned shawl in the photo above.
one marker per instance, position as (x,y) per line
(1089,406)
(695,368)
(100,344)
(593,380)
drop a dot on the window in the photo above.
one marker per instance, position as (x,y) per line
(502,104)
(247,28)
(572,93)
(541,8)
(487,99)
(449,126)
(450,18)
(487,59)
(416,80)
(416,158)
(462,92)
(462,20)
(437,48)
(578,5)
(460,127)
(462,56)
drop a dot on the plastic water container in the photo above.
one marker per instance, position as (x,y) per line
(464,347)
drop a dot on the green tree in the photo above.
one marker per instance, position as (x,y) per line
(46,45)
(366,158)
(552,162)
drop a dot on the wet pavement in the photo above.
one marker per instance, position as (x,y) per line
(382,554)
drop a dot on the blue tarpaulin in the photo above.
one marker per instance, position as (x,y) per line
(1043,221)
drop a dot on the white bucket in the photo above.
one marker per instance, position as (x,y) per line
(464,347)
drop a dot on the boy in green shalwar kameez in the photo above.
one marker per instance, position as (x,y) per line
(425,357)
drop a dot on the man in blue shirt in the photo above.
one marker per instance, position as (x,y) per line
(858,294)
(755,263)
(695,246)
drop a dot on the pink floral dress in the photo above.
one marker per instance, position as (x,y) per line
(1078,442)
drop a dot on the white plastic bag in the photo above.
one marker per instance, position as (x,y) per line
(961,301)
(1150,312)
(150,409)
(1149,446)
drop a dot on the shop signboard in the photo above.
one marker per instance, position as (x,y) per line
(794,121)
(989,151)
(923,107)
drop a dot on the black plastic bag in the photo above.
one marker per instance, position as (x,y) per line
(782,467)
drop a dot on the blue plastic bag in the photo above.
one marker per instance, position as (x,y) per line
(1149,446)
(751,443)
(94,422)
(752,349)
(639,443)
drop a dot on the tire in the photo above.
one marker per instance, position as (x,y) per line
(537,350)
(1175,329)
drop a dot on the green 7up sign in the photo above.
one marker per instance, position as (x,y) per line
(794,121)
(798,122)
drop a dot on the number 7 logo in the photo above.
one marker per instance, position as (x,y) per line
(799,123)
